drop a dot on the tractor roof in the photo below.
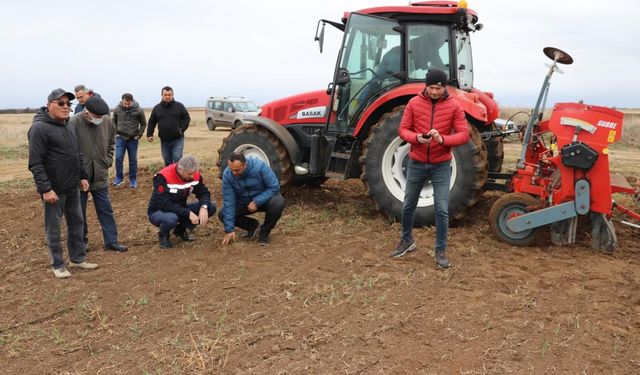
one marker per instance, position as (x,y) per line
(443,11)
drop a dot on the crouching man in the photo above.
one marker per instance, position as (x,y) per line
(249,186)
(168,208)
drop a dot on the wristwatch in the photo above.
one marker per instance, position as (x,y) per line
(204,206)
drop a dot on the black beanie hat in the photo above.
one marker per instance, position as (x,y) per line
(436,77)
(97,106)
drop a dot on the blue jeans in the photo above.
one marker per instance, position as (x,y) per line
(440,176)
(172,150)
(131,147)
(68,205)
(102,203)
(169,220)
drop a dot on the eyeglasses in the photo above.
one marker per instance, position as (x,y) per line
(62,103)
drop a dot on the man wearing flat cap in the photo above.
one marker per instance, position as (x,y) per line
(97,138)
(57,164)
(433,123)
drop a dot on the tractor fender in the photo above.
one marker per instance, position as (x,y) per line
(470,102)
(281,133)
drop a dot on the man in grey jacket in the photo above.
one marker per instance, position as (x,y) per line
(96,136)
(130,123)
(58,170)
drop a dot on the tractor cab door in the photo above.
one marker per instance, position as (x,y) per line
(371,59)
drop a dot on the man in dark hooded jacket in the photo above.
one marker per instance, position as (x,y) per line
(130,123)
(58,169)
(173,120)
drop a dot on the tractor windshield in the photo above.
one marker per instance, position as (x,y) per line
(370,57)
(428,48)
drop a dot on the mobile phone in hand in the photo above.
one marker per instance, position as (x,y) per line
(425,136)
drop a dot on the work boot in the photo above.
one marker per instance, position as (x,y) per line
(184,234)
(441,259)
(403,248)
(251,234)
(117,247)
(163,238)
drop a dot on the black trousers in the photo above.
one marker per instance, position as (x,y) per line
(272,209)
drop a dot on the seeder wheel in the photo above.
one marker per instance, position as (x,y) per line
(508,206)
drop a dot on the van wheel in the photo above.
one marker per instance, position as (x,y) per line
(257,142)
(237,124)
(210,124)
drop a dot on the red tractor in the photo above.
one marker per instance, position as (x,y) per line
(349,130)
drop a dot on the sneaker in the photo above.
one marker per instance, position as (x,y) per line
(263,240)
(84,265)
(133,183)
(403,248)
(251,234)
(61,273)
(441,259)
(118,181)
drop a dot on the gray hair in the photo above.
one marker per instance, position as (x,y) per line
(81,88)
(188,164)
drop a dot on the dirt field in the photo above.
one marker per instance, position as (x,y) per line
(322,298)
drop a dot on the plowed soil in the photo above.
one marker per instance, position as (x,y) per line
(322,298)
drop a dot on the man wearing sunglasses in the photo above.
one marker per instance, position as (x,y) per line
(97,138)
(57,165)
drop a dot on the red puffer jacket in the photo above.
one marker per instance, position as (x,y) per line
(421,115)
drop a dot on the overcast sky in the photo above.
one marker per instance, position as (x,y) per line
(264,50)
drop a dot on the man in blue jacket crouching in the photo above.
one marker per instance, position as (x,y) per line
(249,186)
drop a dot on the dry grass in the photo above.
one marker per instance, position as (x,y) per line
(14,144)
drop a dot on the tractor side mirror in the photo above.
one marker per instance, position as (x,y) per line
(320,37)
(342,78)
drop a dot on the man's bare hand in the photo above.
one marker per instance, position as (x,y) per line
(150,139)
(193,218)
(435,135)
(252,207)
(228,238)
(50,197)
(84,185)
(203,216)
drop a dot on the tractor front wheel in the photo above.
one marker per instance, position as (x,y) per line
(257,142)
(507,207)
(384,166)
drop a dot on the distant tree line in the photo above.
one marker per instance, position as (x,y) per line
(17,110)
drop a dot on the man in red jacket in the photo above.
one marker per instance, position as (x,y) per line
(433,123)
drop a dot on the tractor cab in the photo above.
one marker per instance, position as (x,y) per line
(384,48)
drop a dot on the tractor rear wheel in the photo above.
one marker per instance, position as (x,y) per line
(384,161)
(509,206)
(257,142)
